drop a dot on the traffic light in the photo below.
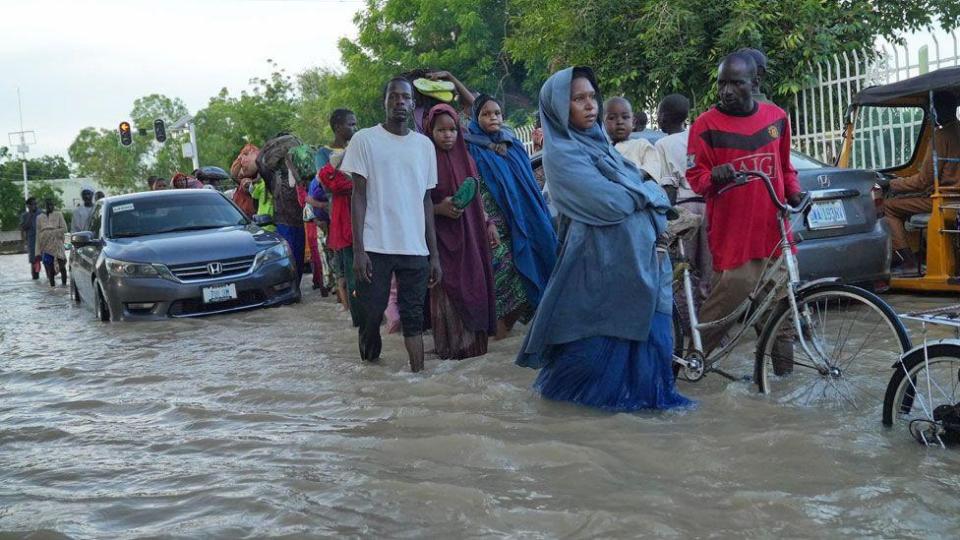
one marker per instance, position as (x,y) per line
(159,130)
(126,138)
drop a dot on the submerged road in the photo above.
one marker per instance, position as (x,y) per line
(265,423)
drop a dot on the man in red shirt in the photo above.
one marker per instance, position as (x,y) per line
(340,186)
(739,134)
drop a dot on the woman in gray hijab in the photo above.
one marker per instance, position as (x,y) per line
(602,335)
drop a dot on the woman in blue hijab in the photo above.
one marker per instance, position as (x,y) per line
(602,334)
(523,242)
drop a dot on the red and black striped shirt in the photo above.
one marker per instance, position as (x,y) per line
(742,223)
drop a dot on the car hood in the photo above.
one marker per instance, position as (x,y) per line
(192,246)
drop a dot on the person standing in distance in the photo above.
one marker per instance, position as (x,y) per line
(393,171)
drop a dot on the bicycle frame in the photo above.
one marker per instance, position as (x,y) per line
(754,307)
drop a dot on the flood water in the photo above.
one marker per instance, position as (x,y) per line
(266,424)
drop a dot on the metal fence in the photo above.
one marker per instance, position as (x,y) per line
(885,136)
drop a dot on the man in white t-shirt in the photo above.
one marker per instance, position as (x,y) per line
(672,114)
(393,171)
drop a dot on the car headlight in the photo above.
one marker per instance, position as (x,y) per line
(132,269)
(275,253)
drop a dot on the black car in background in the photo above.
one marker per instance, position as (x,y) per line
(177,253)
(840,236)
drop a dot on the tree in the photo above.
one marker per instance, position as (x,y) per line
(41,168)
(11,205)
(396,36)
(227,122)
(38,171)
(97,152)
(645,49)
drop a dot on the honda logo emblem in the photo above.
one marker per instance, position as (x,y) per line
(215,268)
(824,180)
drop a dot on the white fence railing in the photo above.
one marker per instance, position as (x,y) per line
(885,138)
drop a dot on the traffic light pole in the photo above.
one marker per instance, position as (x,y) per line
(193,143)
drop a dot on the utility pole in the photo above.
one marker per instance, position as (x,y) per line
(22,145)
(189,149)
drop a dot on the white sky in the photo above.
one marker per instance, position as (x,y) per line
(81,63)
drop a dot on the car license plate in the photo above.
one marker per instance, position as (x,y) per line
(219,293)
(827,215)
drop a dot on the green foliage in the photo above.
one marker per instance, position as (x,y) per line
(645,49)
(228,122)
(41,168)
(121,169)
(11,205)
(396,36)
(46,190)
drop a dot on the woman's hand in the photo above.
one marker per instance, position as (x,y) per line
(500,148)
(447,209)
(492,235)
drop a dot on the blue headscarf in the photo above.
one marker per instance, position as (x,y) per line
(511,182)
(589,180)
(609,280)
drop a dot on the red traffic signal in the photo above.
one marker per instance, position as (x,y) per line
(126,138)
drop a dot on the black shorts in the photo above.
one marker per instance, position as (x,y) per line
(413,272)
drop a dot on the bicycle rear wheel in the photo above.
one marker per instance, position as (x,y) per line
(853,336)
(919,386)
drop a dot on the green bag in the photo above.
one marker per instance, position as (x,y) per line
(466,193)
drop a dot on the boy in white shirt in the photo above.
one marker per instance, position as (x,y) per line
(393,171)
(672,155)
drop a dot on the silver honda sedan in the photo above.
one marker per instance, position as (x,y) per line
(178,253)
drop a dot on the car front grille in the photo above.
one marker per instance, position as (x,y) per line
(195,306)
(200,271)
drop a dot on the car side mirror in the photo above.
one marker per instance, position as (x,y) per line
(262,220)
(83,238)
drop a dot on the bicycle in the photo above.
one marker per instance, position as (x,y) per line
(840,337)
(923,391)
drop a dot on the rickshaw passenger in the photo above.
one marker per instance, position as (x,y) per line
(910,195)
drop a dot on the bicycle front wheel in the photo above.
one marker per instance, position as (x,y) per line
(852,339)
(921,383)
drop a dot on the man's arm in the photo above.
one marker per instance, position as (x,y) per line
(362,267)
(464,93)
(919,182)
(436,274)
(791,185)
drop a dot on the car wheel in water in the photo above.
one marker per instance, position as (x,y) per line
(103,309)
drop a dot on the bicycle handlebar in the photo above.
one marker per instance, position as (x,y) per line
(742,178)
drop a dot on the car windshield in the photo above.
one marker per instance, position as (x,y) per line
(158,215)
(885,137)
(803,162)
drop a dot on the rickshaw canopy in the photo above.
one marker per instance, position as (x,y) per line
(913,91)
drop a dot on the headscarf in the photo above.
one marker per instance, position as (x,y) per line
(504,136)
(511,183)
(589,180)
(462,243)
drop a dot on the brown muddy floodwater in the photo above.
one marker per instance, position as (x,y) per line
(266,424)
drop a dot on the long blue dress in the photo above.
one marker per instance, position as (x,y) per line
(602,335)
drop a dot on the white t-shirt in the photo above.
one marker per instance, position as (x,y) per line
(672,151)
(399,172)
(642,154)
